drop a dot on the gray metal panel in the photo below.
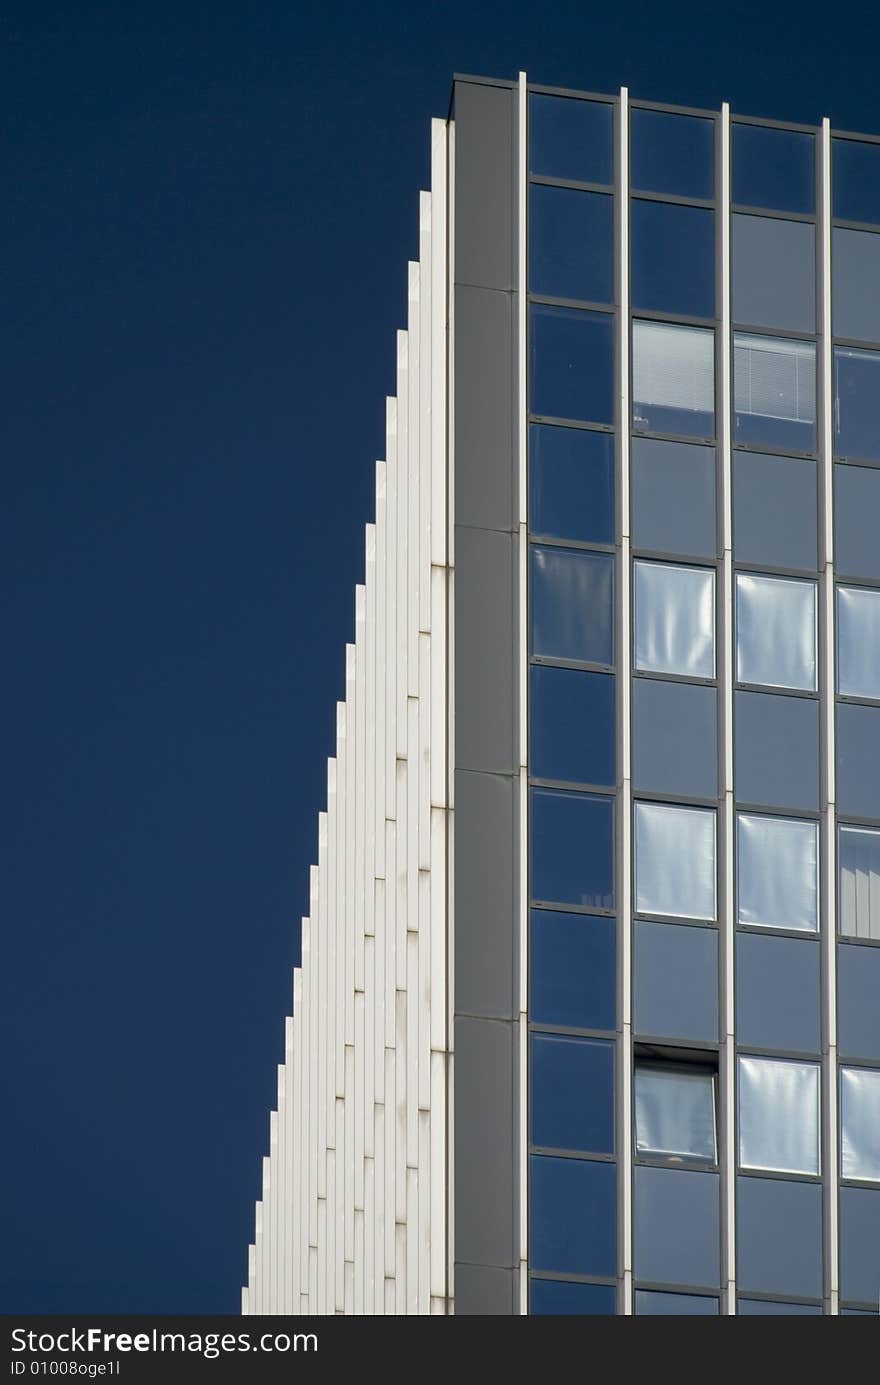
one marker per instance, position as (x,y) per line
(856,506)
(484,407)
(779,1236)
(675,747)
(486,634)
(860,1244)
(777,992)
(776,750)
(486,1291)
(485,864)
(856,258)
(485,656)
(858,760)
(486,1142)
(485,180)
(773,273)
(675,981)
(673,497)
(675,1227)
(774,510)
(858,986)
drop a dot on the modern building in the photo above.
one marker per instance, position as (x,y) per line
(588,1019)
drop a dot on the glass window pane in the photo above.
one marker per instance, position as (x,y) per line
(647,1301)
(672,258)
(860,1123)
(568,1298)
(777,993)
(675,860)
(572,364)
(675,982)
(572,848)
(768,1307)
(858,759)
(858,1014)
(571,602)
(572,969)
(673,497)
(775,631)
(673,379)
(572,1215)
(779,1236)
(572,1093)
(571,483)
(672,153)
(855,299)
(858,641)
(569,138)
(778,1115)
(773,168)
(675,1226)
(856,507)
(675,1113)
(773,273)
(774,388)
(856,391)
(777,872)
(776,750)
(774,510)
(570,243)
(571,725)
(855,180)
(674,619)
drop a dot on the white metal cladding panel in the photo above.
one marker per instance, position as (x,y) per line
(353,1216)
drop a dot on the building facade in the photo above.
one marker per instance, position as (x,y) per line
(587,1020)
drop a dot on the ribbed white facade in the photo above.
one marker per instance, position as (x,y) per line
(353,1216)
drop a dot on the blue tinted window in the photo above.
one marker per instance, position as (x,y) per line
(571,483)
(672,153)
(572,848)
(571,602)
(569,138)
(673,258)
(565,1297)
(572,963)
(773,168)
(573,1215)
(570,243)
(766,1307)
(571,725)
(572,1093)
(668,1305)
(855,180)
(571,359)
(856,391)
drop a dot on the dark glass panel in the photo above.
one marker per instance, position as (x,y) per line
(572,848)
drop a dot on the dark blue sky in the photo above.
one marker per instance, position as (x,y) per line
(206,216)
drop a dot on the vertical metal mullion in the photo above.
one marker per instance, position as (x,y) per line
(727,912)
(623,659)
(523,662)
(827,686)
